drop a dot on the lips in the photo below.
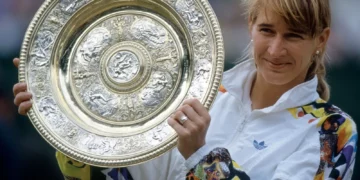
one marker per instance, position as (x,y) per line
(276,64)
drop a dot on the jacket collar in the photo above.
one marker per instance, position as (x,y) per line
(238,80)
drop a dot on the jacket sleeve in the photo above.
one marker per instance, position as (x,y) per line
(331,157)
(338,141)
(72,169)
(216,165)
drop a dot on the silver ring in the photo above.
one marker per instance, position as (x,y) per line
(183,118)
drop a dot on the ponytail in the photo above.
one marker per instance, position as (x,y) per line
(318,68)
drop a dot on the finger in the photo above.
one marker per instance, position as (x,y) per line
(198,107)
(25,107)
(16,62)
(188,124)
(172,115)
(179,129)
(19,87)
(178,115)
(22,97)
(192,114)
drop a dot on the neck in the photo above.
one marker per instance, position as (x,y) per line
(264,94)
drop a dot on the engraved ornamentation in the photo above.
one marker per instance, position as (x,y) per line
(70,6)
(42,48)
(47,106)
(146,30)
(83,78)
(123,66)
(190,12)
(130,144)
(40,84)
(159,134)
(96,145)
(157,90)
(99,101)
(94,43)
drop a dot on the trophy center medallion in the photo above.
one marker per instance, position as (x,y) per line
(123,66)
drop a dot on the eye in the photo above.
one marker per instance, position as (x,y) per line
(266,30)
(294,36)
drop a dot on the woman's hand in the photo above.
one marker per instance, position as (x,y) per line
(22,98)
(191,122)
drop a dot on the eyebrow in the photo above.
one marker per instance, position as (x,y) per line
(266,25)
(300,31)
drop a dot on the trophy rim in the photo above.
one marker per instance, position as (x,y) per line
(65,148)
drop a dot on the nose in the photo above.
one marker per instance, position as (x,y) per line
(276,48)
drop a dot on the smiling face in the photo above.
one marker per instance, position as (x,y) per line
(282,54)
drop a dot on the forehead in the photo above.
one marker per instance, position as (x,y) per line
(270,17)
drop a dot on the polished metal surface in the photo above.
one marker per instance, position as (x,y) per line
(106,74)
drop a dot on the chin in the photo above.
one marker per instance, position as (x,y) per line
(278,79)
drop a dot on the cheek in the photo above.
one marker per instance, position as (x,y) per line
(302,60)
(260,47)
(259,42)
(303,51)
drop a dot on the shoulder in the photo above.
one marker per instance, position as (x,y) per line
(329,120)
(338,125)
(337,137)
(332,119)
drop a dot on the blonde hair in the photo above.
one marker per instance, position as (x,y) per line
(310,16)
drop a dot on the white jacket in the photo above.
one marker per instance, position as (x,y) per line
(283,141)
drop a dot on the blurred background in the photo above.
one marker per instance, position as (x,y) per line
(25,155)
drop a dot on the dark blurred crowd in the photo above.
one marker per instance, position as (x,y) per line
(25,155)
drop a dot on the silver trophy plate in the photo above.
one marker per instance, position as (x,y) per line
(107,74)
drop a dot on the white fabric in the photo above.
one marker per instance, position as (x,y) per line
(291,148)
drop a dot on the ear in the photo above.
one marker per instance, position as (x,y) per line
(323,38)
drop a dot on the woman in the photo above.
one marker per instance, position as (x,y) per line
(270,119)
